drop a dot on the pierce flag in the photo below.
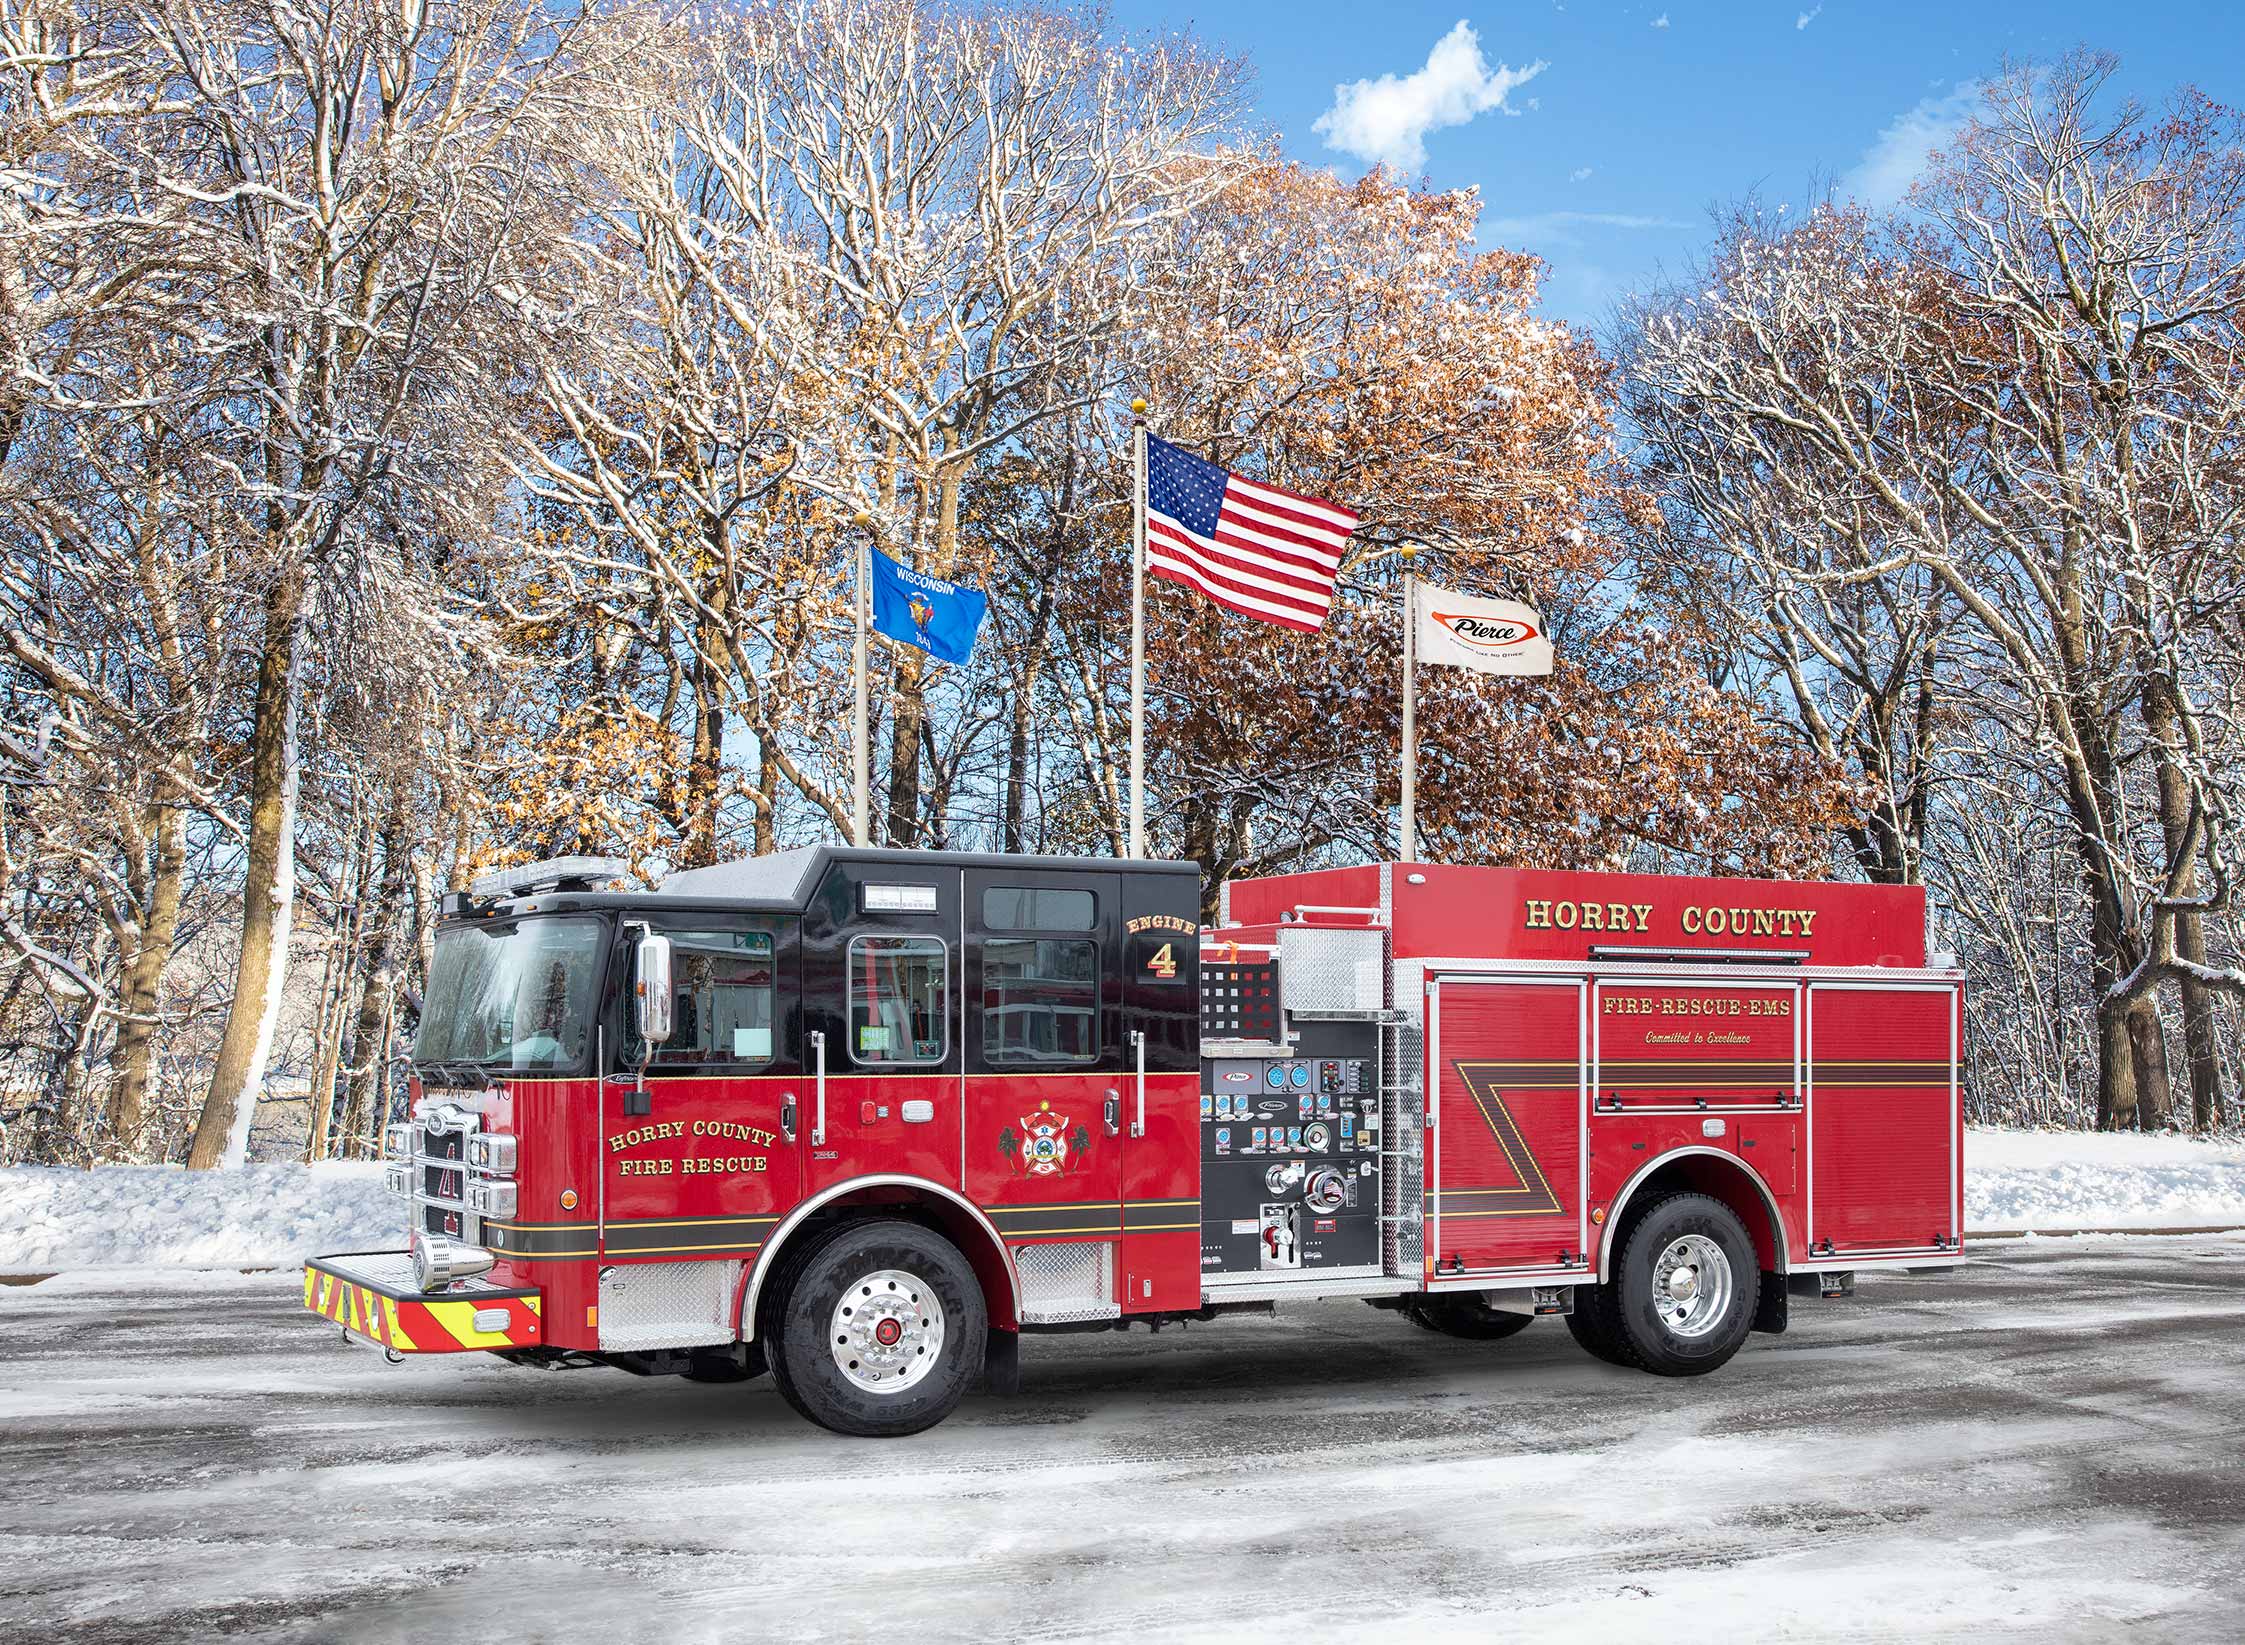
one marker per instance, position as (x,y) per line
(939,617)
(1493,636)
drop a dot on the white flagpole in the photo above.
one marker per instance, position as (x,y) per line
(861,801)
(1138,629)
(1410,705)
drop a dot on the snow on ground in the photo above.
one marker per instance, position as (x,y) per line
(273,1216)
(261,1216)
(2088,1179)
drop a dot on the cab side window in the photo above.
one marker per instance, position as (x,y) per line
(1040,1001)
(723,999)
(900,1000)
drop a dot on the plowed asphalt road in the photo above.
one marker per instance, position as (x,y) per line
(2047,1444)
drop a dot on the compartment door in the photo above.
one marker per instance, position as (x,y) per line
(1505,1165)
(1883,1153)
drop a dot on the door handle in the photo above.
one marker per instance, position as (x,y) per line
(818,1113)
(1138,1044)
(1114,1113)
(787,1117)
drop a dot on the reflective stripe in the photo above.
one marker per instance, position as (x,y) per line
(398,1338)
(459,1319)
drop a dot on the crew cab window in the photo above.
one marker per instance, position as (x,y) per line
(1040,1001)
(1039,908)
(722,999)
(900,1000)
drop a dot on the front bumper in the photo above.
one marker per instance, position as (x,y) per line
(373,1294)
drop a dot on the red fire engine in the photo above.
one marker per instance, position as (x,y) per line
(862,1118)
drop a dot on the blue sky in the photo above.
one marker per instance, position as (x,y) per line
(1606,160)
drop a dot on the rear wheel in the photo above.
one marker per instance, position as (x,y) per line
(1465,1316)
(1592,1325)
(881,1331)
(1684,1290)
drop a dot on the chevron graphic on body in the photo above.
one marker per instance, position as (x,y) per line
(1531,1195)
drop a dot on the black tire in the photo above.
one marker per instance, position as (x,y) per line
(808,1322)
(1592,1325)
(1465,1316)
(1637,1330)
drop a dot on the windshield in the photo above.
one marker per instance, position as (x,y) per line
(513,996)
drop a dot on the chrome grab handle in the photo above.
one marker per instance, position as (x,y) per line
(1113,1112)
(818,1112)
(1138,1045)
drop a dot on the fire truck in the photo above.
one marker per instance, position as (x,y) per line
(864,1118)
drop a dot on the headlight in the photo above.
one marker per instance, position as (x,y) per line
(492,1154)
(491,1199)
(438,1261)
(398,1179)
(397,1142)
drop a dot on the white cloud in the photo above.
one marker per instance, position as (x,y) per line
(1890,165)
(1581,174)
(1810,16)
(1661,21)
(1386,120)
(1561,229)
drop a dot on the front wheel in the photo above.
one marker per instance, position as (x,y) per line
(1684,1292)
(881,1331)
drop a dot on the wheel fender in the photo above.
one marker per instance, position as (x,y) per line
(992,1255)
(1746,1173)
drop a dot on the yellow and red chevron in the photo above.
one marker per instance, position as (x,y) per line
(435,1325)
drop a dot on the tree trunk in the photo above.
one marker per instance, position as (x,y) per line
(378,980)
(135,1054)
(268,888)
(2201,1041)
(2147,1044)
(907,708)
(2116,1072)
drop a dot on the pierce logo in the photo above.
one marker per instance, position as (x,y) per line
(1487,633)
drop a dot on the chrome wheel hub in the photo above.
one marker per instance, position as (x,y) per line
(887,1331)
(1692,1285)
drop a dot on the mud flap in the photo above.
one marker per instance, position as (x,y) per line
(1001,1362)
(1771,1312)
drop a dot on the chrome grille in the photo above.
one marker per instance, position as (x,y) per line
(437,1168)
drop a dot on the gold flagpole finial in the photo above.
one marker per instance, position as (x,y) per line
(1138,408)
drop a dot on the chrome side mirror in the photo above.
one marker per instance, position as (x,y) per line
(651,989)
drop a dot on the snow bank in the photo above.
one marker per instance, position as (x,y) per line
(2086,1179)
(260,1216)
(273,1216)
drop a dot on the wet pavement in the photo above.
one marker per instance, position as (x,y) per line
(2046,1444)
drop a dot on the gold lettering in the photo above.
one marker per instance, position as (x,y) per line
(1644,913)
(1539,914)
(1807,915)
(1715,925)
(1565,915)
(1691,920)
(1593,916)
(1763,924)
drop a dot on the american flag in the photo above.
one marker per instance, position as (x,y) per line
(1250,547)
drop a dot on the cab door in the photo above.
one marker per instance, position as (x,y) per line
(1047,1067)
(710,1167)
(882,980)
